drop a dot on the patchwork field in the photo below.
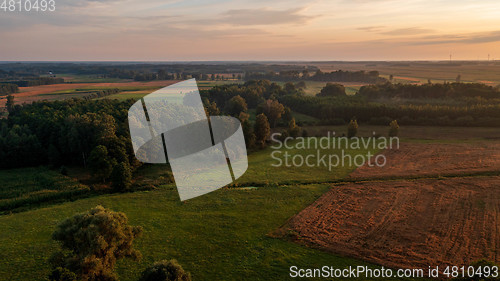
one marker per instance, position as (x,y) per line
(419,71)
(69,90)
(406,223)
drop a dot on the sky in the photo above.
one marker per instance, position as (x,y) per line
(219,30)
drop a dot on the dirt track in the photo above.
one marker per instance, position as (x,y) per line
(416,159)
(406,223)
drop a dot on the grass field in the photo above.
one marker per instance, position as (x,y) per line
(137,93)
(129,95)
(35,186)
(263,169)
(208,84)
(220,236)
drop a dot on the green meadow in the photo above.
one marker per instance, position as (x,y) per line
(220,236)
(269,166)
(28,187)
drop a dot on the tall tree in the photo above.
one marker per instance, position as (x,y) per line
(121,176)
(287,114)
(352,128)
(393,128)
(290,88)
(236,105)
(248,133)
(262,129)
(332,90)
(273,110)
(100,163)
(293,130)
(10,103)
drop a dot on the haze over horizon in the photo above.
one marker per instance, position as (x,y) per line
(221,30)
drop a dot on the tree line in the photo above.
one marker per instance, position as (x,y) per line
(333,76)
(162,74)
(8,88)
(101,94)
(38,81)
(337,110)
(429,91)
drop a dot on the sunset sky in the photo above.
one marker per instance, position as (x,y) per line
(166,30)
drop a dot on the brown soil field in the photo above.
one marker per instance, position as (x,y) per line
(30,94)
(435,159)
(405,223)
(431,133)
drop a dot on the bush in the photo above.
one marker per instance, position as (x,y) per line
(352,128)
(332,90)
(62,274)
(63,170)
(293,130)
(92,242)
(394,128)
(305,134)
(121,177)
(262,129)
(165,271)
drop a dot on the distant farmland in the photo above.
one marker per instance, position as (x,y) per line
(69,90)
(487,72)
